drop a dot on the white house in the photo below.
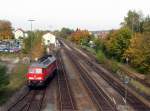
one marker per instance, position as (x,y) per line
(48,39)
(20,34)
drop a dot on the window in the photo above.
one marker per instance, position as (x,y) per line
(35,70)
(31,70)
(38,71)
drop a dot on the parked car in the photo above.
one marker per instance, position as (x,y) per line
(6,49)
(1,49)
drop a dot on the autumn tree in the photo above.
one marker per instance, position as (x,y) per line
(37,49)
(117,42)
(33,44)
(80,36)
(139,52)
(5,30)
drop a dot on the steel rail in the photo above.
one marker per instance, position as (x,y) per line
(65,92)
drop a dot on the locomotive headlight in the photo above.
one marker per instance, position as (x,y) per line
(39,78)
(31,78)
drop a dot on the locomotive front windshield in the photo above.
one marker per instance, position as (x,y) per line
(35,70)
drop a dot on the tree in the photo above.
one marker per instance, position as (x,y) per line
(37,49)
(133,21)
(27,43)
(99,44)
(117,43)
(80,36)
(33,44)
(5,30)
(65,32)
(4,80)
(146,24)
(139,52)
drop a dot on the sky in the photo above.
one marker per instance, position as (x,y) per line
(84,14)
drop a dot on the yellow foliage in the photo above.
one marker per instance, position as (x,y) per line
(78,35)
(37,50)
(5,30)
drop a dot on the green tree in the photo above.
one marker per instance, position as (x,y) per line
(146,24)
(99,44)
(27,43)
(3,77)
(133,21)
(34,39)
(65,32)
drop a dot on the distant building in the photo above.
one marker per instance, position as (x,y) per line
(20,34)
(100,34)
(49,39)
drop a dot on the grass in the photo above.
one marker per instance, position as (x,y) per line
(89,49)
(12,55)
(100,57)
(141,87)
(16,81)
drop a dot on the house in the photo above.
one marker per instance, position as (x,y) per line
(101,34)
(20,34)
(49,39)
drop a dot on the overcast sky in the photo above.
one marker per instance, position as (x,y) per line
(55,14)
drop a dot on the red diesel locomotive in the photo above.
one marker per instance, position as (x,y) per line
(40,71)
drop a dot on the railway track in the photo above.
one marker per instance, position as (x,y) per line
(98,96)
(29,101)
(133,100)
(130,74)
(66,100)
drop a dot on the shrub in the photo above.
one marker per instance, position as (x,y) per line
(4,80)
(100,57)
(114,66)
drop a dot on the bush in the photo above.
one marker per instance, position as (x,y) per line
(4,80)
(100,57)
(10,86)
(114,66)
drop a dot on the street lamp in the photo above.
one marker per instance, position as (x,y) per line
(31,20)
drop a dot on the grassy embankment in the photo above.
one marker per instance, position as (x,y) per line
(11,82)
(116,68)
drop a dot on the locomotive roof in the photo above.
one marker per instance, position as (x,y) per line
(44,62)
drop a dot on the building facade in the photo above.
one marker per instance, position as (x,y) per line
(49,39)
